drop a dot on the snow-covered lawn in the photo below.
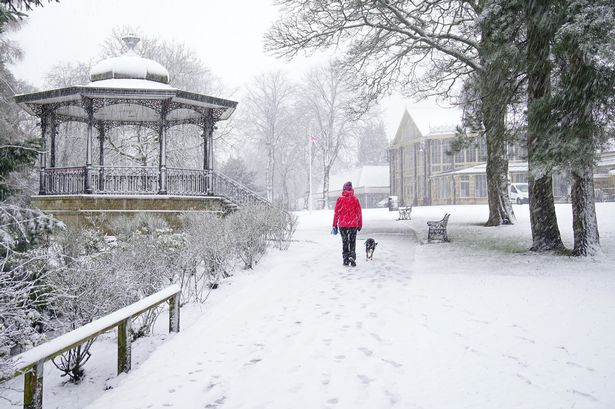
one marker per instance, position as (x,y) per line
(475,323)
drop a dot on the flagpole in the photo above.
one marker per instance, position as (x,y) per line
(310,174)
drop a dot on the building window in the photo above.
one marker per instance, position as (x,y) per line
(471,153)
(443,188)
(436,151)
(481,185)
(460,157)
(464,190)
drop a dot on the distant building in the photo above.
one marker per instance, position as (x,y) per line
(423,173)
(370,183)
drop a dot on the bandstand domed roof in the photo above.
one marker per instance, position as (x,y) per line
(129,65)
(127,90)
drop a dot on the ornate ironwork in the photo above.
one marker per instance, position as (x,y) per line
(62,181)
(234,191)
(125,179)
(133,180)
(152,103)
(189,182)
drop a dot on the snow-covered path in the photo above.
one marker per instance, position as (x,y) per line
(410,329)
(305,333)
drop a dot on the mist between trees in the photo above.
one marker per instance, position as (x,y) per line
(57,278)
(539,71)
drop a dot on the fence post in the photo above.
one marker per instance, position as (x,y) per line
(174,313)
(33,387)
(123,347)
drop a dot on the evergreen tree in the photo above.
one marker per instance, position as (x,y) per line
(373,144)
(581,107)
(236,169)
(18,146)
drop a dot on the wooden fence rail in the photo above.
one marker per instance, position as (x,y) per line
(31,363)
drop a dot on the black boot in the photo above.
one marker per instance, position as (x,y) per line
(352,262)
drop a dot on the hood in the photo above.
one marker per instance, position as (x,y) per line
(347,193)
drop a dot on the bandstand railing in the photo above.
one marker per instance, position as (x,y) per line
(125,179)
(234,191)
(190,182)
(69,181)
(138,180)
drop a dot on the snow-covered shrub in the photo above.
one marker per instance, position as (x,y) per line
(148,253)
(206,258)
(282,226)
(23,264)
(248,229)
(84,289)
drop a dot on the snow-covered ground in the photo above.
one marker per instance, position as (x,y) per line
(475,323)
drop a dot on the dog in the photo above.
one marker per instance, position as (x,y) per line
(370,246)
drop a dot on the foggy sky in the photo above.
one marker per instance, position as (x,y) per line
(227,35)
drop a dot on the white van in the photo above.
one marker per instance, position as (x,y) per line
(518,193)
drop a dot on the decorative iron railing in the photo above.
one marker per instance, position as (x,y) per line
(234,191)
(125,179)
(64,180)
(189,182)
(133,180)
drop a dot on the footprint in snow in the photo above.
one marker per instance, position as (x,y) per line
(574,364)
(375,336)
(333,401)
(253,361)
(340,358)
(392,363)
(365,379)
(366,351)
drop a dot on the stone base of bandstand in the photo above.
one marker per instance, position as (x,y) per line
(101,210)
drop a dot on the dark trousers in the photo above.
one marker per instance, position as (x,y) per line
(349,241)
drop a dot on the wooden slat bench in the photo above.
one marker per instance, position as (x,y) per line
(437,229)
(404,213)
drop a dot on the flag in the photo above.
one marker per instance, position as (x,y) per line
(313,138)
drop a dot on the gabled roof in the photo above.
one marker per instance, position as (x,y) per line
(407,130)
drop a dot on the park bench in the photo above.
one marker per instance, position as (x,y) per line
(404,213)
(437,229)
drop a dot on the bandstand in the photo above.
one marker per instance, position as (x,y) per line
(130,91)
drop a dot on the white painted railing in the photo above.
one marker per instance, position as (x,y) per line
(31,363)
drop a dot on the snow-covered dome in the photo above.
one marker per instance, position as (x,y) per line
(129,65)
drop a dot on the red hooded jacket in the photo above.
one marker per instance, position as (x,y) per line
(347,211)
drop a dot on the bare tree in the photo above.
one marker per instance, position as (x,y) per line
(269,117)
(328,103)
(422,48)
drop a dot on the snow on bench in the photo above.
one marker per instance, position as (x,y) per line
(404,213)
(437,229)
(31,362)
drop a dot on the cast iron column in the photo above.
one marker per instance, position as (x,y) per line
(101,157)
(162,160)
(208,156)
(53,131)
(89,108)
(42,156)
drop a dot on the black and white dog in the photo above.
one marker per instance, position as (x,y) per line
(370,246)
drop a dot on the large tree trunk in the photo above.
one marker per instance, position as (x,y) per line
(500,208)
(584,221)
(543,220)
(494,104)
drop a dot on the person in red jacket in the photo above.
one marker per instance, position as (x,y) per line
(349,219)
